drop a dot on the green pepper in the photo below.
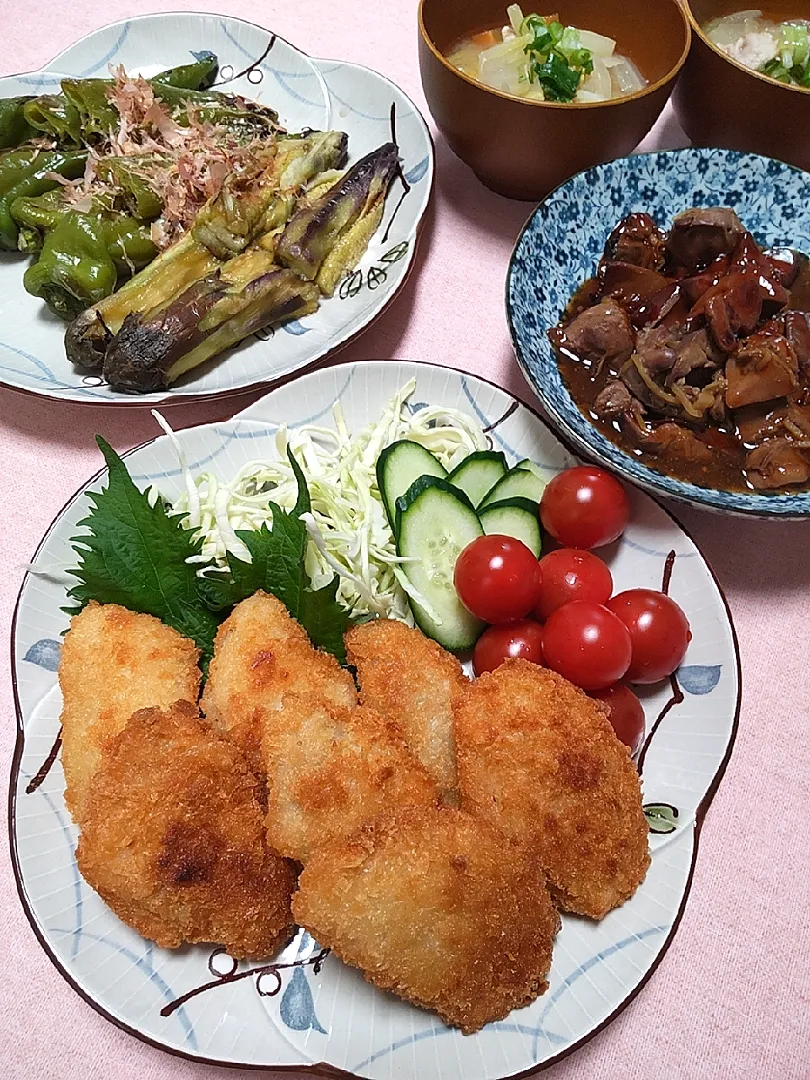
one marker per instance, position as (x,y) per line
(75,270)
(128,242)
(29,241)
(40,211)
(82,256)
(127,174)
(14,128)
(35,215)
(246,123)
(33,178)
(13,164)
(88,97)
(54,115)
(198,76)
(215,106)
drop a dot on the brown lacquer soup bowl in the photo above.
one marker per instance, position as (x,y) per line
(720,102)
(524,148)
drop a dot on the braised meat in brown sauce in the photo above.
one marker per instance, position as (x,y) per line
(691,350)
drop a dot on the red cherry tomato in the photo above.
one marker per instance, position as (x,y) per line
(568,574)
(497,578)
(659,633)
(499,643)
(584,507)
(626,714)
(587,644)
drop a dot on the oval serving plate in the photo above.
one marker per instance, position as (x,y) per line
(301,1010)
(306,93)
(563,240)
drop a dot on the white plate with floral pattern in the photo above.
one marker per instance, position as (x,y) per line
(305,92)
(306,1009)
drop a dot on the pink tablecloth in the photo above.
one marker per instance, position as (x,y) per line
(732,996)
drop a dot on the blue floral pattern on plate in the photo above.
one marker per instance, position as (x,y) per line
(303,1006)
(561,244)
(306,92)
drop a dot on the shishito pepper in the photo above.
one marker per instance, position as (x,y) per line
(129,175)
(83,109)
(88,97)
(29,173)
(14,128)
(196,76)
(35,215)
(129,243)
(54,115)
(40,211)
(81,259)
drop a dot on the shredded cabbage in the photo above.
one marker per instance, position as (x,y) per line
(348,529)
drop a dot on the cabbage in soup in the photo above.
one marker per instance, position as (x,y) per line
(538,59)
(780,50)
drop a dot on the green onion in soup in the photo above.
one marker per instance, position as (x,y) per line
(539,59)
(780,50)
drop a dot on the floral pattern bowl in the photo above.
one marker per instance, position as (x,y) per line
(560,247)
(305,92)
(306,1008)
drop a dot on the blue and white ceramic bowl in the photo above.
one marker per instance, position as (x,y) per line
(560,247)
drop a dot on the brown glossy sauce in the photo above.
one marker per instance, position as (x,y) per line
(726,470)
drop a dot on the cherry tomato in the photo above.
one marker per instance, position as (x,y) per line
(497,578)
(626,714)
(659,633)
(499,643)
(568,574)
(584,507)
(587,644)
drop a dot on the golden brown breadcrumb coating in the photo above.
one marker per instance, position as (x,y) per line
(438,908)
(539,760)
(173,838)
(413,681)
(330,770)
(113,663)
(260,654)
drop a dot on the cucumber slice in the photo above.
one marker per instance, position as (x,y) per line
(517,484)
(397,467)
(529,466)
(478,472)
(435,522)
(514,517)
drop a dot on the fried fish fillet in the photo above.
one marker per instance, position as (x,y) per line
(260,654)
(413,681)
(434,906)
(538,759)
(331,770)
(113,663)
(173,838)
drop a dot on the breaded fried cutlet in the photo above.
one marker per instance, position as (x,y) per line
(330,770)
(539,760)
(260,654)
(173,838)
(113,663)
(436,907)
(413,681)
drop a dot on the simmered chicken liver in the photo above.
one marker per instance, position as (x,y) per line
(691,350)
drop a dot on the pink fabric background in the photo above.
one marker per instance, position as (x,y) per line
(731,999)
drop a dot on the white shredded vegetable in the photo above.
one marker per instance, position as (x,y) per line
(503,59)
(349,534)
